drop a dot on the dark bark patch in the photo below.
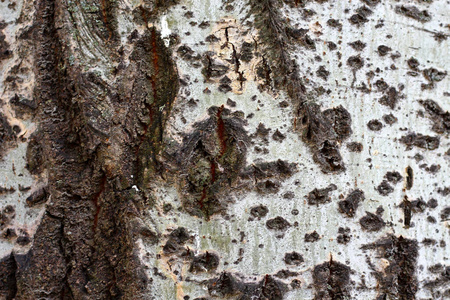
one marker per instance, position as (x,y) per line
(394,177)
(372,222)
(343,235)
(323,73)
(354,147)
(409,178)
(340,120)
(375,125)
(269,186)
(7,135)
(37,197)
(355,62)
(320,196)
(278,136)
(211,68)
(293,258)
(383,50)
(445,214)
(8,284)
(334,23)
(398,280)
(331,280)
(213,157)
(381,85)
(413,63)
(384,188)
(5,52)
(312,237)
(351,203)
(434,75)
(329,158)
(274,169)
(205,262)
(390,119)
(432,203)
(439,117)
(278,223)
(420,140)
(358,45)
(176,241)
(7,215)
(259,211)
(413,13)
(371,2)
(246,54)
(390,98)
(284,274)
(228,284)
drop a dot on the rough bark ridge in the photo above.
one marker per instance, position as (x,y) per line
(93,139)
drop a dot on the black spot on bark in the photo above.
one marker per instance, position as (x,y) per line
(371,2)
(371,222)
(37,197)
(228,285)
(7,135)
(432,203)
(284,274)
(358,45)
(293,258)
(259,211)
(278,223)
(434,75)
(390,98)
(312,237)
(445,214)
(354,147)
(320,196)
(385,188)
(351,203)
(340,120)
(177,238)
(334,23)
(322,73)
(413,12)
(421,141)
(394,177)
(343,235)
(390,119)
(213,157)
(439,117)
(355,62)
(381,85)
(409,178)
(375,125)
(413,63)
(383,50)
(269,186)
(205,262)
(278,136)
(331,280)
(212,69)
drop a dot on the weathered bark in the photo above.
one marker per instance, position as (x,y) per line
(269,149)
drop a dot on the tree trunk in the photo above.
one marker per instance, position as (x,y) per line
(207,149)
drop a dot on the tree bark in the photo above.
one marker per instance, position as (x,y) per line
(270,149)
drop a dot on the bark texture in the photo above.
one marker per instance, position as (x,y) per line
(270,149)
